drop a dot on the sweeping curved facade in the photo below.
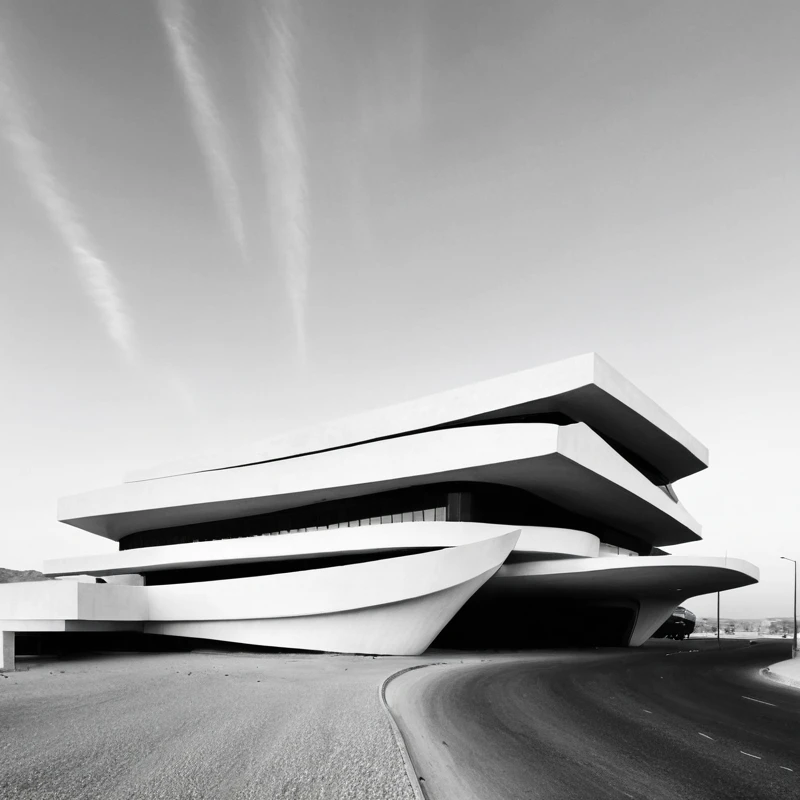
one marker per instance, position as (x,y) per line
(517,511)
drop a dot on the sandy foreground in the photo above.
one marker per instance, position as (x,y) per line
(200,725)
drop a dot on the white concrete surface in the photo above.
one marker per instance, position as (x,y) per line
(571,466)
(645,576)
(533,542)
(585,388)
(124,579)
(33,625)
(7,651)
(49,600)
(652,614)
(658,584)
(69,625)
(331,589)
(403,628)
(390,606)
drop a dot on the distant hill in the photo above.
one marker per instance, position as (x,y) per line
(19,575)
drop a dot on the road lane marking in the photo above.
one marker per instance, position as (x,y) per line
(707,736)
(787,769)
(763,702)
(646,711)
(750,754)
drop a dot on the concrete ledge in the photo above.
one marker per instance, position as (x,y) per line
(116,567)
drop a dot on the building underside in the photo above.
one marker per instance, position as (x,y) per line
(526,511)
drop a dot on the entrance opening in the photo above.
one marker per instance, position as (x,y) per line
(510,622)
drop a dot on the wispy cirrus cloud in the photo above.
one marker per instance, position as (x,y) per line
(206,119)
(283,148)
(32,159)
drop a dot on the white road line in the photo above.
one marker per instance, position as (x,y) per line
(646,711)
(707,736)
(763,702)
(787,769)
(750,754)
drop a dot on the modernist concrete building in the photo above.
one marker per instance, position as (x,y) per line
(512,512)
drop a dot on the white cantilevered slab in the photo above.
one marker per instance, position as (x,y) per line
(643,576)
(585,388)
(570,466)
(533,541)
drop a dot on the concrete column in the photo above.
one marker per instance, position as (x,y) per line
(653,613)
(7,652)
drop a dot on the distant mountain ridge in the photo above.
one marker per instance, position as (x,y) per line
(20,575)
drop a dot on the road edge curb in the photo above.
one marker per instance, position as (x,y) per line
(767,673)
(416,786)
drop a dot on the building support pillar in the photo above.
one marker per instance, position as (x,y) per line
(653,613)
(7,652)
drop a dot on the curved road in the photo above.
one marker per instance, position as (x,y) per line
(669,721)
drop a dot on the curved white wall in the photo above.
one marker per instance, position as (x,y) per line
(404,628)
(329,589)
(394,605)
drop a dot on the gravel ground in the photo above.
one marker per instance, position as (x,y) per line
(199,725)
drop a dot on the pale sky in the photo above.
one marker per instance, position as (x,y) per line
(220,220)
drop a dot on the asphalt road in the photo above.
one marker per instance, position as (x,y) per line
(669,721)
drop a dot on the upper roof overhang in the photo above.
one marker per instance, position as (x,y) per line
(585,389)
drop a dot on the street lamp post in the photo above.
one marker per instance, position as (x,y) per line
(794,609)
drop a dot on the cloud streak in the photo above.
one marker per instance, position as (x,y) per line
(206,120)
(283,147)
(32,159)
